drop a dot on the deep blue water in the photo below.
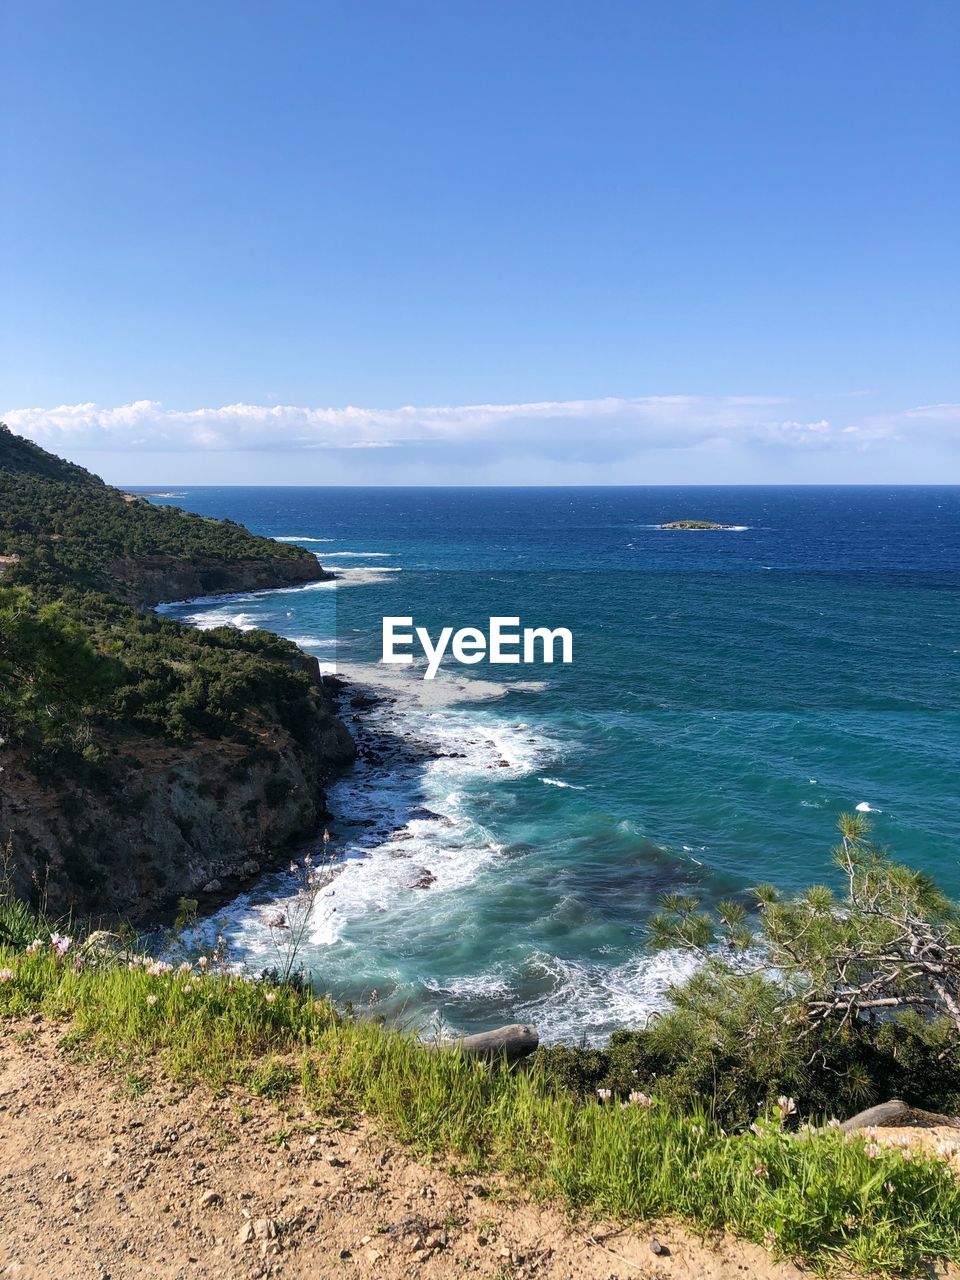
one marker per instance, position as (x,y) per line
(731,692)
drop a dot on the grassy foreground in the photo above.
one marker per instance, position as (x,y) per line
(822,1198)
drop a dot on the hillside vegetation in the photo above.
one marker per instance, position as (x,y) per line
(94,689)
(68,528)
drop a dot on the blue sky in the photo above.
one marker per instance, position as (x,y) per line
(452,242)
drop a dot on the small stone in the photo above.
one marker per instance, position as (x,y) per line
(372,1256)
(245,1234)
(265,1229)
(212,886)
(659,1249)
(210,1198)
(345,1254)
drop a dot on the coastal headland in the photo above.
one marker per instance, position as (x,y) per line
(143,760)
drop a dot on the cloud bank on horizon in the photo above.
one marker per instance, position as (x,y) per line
(609,429)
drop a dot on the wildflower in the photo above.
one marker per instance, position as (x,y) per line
(760,1170)
(640,1099)
(833,1124)
(60,943)
(186,967)
(755,1128)
(270,997)
(695,1175)
(604,1095)
(203,962)
(786,1106)
(769,1237)
(872,1150)
(889,1188)
(907,1153)
(151,1000)
(5,975)
(35,945)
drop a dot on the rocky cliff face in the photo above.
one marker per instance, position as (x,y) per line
(151,579)
(170,820)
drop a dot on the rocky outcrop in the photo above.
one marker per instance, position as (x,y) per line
(168,820)
(150,579)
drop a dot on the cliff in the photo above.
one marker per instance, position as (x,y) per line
(149,580)
(142,759)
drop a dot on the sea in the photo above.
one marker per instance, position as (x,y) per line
(503,844)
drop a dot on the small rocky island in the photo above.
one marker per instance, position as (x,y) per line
(695,524)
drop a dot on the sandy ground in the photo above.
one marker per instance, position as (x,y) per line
(98,1182)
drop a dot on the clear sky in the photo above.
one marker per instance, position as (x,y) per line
(467,241)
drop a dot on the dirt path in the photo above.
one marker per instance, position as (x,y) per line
(98,1182)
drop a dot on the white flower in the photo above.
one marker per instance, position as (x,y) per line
(604,1094)
(5,975)
(35,945)
(640,1099)
(151,1000)
(203,962)
(786,1106)
(60,943)
(270,997)
(872,1150)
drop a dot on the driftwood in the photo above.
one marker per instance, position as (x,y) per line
(897,1114)
(511,1042)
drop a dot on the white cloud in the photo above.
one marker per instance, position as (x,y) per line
(607,427)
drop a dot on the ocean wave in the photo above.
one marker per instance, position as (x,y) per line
(589,1000)
(291,538)
(555,782)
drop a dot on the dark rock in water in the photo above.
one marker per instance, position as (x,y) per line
(695,524)
(421,812)
(424,880)
(251,867)
(503,764)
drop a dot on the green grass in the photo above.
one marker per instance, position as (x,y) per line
(829,1201)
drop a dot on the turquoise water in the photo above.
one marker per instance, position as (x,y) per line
(730,693)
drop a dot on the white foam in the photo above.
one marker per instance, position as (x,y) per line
(568,786)
(590,1000)
(864,807)
(291,538)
